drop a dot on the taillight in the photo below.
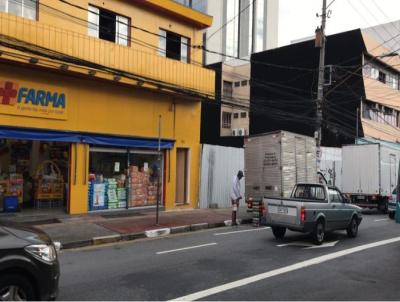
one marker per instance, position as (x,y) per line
(303,214)
(373,197)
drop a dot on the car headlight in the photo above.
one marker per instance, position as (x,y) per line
(43,252)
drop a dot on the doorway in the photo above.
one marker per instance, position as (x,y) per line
(182,176)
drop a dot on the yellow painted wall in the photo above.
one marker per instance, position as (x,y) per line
(64,28)
(141,16)
(110,108)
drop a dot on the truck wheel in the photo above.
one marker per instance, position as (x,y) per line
(319,232)
(352,229)
(279,232)
(391,214)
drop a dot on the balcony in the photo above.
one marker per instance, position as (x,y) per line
(134,61)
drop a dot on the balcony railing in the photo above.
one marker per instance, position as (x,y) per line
(108,54)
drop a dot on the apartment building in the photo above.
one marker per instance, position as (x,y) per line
(361,89)
(100,103)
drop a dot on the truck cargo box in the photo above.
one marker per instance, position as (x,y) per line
(276,161)
(369,169)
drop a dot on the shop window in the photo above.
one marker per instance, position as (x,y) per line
(236,115)
(227,89)
(20,8)
(119,179)
(182,176)
(174,46)
(108,26)
(34,174)
(226,120)
(243,114)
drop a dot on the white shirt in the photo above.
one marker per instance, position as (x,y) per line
(235,192)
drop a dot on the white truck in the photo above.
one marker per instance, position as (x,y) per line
(369,174)
(275,162)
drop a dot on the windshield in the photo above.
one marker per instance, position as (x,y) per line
(312,192)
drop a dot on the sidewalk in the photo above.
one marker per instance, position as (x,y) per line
(98,228)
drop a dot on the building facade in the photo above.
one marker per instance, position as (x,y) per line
(361,91)
(101,103)
(240,27)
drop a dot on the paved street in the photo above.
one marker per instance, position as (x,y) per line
(182,265)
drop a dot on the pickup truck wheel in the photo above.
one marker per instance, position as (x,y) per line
(279,232)
(319,233)
(352,229)
(391,214)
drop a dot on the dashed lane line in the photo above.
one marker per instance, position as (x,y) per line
(241,231)
(186,248)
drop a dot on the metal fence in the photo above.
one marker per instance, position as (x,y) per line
(218,167)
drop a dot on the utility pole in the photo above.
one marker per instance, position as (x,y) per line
(321,80)
(158,171)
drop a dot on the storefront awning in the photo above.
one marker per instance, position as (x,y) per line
(93,139)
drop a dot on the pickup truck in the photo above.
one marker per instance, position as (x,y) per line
(314,209)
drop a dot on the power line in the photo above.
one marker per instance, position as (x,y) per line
(229,21)
(192,46)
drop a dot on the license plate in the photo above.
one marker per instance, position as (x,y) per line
(282,210)
(361,197)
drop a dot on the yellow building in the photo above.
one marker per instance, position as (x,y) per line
(87,88)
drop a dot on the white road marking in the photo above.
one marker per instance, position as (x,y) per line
(308,245)
(242,282)
(376,220)
(296,243)
(186,248)
(327,244)
(242,231)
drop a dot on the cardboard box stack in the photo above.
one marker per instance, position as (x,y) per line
(143,191)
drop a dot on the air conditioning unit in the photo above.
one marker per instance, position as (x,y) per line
(235,132)
(241,132)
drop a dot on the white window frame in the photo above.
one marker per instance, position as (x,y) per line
(185,45)
(22,9)
(94,26)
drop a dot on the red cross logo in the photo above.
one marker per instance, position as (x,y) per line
(8,93)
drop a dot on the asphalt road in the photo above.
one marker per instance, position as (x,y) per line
(216,265)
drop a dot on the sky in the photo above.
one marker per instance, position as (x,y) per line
(298,17)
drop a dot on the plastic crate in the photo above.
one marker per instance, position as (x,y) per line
(10,204)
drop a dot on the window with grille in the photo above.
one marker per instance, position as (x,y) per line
(227,89)
(226,119)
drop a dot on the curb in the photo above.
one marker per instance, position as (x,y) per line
(150,233)
(105,239)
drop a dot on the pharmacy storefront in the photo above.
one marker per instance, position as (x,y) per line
(78,146)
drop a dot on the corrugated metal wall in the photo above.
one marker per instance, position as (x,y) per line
(218,167)
(331,165)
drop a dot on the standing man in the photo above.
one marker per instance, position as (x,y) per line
(235,195)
